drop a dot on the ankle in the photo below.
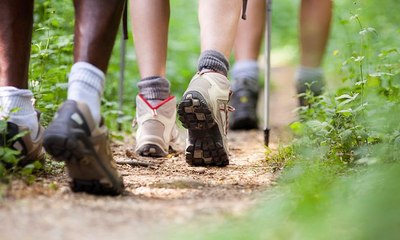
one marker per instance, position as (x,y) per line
(213,60)
(154,89)
(309,74)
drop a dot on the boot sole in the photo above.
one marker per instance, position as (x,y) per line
(76,150)
(151,150)
(205,141)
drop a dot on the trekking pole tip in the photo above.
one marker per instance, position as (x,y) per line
(266,136)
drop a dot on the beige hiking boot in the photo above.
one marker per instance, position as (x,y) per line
(74,138)
(31,149)
(204,112)
(157,131)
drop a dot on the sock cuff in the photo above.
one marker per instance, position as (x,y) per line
(214,60)
(13,91)
(89,67)
(12,98)
(154,88)
(309,74)
(89,75)
(245,69)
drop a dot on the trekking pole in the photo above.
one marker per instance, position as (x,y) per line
(122,63)
(267,53)
(121,80)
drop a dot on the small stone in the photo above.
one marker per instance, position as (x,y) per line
(64,190)
(200,170)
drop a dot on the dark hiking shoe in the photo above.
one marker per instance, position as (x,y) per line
(244,100)
(204,112)
(19,138)
(72,137)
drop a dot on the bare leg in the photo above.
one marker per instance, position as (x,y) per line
(16,18)
(204,106)
(96,27)
(315,19)
(218,23)
(150,20)
(245,71)
(76,135)
(250,32)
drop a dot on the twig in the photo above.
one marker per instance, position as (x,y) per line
(137,163)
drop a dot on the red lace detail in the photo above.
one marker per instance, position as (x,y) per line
(154,108)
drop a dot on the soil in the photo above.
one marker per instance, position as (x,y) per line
(167,193)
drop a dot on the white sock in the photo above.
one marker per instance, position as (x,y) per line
(86,84)
(17,107)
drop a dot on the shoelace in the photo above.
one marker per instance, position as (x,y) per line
(227,108)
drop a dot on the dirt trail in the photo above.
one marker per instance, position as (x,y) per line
(169,193)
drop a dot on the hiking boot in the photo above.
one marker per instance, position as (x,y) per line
(157,131)
(74,138)
(204,112)
(244,100)
(31,150)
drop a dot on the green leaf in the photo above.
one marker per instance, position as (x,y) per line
(19,135)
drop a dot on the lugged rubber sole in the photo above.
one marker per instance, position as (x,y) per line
(151,150)
(76,150)
(205,146)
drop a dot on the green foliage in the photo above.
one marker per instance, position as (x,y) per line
(283,157)
(51,54)
(342,182)
(351,122)
(10,158)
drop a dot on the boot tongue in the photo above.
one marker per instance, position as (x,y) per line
(155,102)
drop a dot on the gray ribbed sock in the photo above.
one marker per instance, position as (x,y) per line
(313,76)
(245,74)
(154,89)
(213,60)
